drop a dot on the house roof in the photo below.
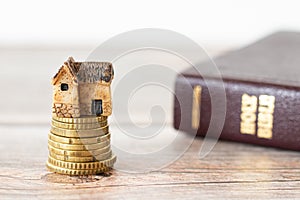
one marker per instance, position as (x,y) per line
(87,72)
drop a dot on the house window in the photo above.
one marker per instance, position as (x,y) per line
(64,87)
(97,107)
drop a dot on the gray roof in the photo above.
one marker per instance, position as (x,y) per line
(89,72)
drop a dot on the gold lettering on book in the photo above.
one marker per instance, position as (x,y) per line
(265,106)
(265,116)
(248,114)
(196,106)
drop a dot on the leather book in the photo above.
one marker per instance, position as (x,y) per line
(262,87)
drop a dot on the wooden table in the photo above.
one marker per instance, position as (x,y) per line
(230,171)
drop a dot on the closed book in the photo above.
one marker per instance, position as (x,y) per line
(262,88)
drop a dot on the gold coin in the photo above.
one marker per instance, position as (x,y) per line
(67,140)
(73,172)
(72,159)
(79,133)
(83,166)
(103,156)
(79,126)
(67,158)
(90,158)
(84,153)
(81,120)
(78,147)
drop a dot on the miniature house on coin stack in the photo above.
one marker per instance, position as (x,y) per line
(82,89)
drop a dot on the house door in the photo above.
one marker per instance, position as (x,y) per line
(97,107)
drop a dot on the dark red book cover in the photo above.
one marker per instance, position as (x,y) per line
(262,87)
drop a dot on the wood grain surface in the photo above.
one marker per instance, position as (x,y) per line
(230,171)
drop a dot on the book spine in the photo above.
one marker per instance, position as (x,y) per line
(256,113)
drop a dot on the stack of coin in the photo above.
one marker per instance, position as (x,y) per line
(80,146)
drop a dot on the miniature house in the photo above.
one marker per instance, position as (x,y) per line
(82,89)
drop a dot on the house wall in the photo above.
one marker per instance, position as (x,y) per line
(65,103)
(91,91)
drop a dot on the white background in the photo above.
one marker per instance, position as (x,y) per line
(211,23)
